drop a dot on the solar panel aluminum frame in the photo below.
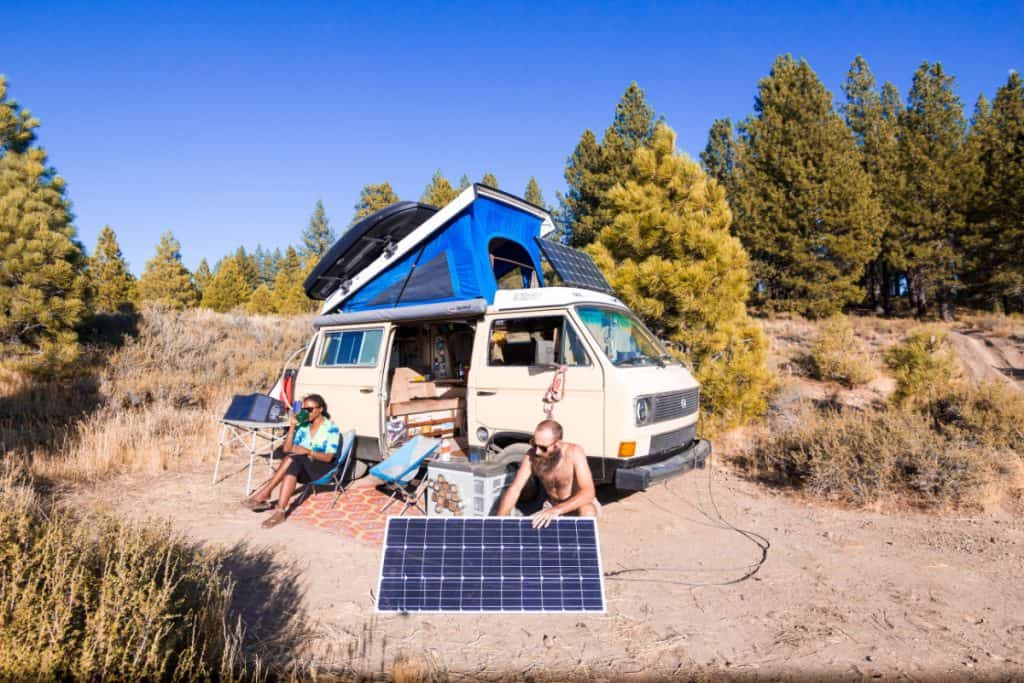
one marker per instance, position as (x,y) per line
(380,576)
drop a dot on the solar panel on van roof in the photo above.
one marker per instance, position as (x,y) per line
(575,268)
(490,564)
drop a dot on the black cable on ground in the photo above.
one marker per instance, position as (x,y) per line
(762,543)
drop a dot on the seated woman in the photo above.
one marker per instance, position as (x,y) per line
(309,450)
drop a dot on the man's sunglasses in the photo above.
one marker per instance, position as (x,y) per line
(542,448)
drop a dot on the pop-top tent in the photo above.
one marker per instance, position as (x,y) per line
(414,255)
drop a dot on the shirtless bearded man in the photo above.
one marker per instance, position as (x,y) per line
(563,470)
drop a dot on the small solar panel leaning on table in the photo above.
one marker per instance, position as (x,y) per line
(490,564)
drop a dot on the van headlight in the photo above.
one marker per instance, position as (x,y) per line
(642,413)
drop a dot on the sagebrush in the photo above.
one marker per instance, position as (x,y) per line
(839,356)
(965,449)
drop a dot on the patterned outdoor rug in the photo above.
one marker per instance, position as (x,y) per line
(356,515)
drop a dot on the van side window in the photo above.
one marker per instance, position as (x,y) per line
(351,347)
(547,340)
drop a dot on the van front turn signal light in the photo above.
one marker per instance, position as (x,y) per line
(627,449)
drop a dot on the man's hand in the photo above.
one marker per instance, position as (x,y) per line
(543,518)
(293,421)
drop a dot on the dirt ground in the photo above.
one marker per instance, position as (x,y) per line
(842,594)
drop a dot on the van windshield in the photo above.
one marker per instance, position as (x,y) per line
(623,338)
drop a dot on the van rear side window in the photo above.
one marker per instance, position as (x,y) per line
(351,347)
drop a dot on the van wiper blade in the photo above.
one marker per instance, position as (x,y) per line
(635,360)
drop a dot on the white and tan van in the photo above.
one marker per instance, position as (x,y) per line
(442,322)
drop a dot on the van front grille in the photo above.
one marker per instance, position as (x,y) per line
(676,404)
(673,439)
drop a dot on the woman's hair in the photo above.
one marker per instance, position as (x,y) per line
(320,402)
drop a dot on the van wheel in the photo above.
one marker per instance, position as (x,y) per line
(532,495)
(358,470)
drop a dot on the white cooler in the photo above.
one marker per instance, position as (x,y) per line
(459,488)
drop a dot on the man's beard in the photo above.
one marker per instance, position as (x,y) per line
(549,459)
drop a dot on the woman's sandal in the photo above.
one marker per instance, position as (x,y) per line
(274,519)
(257,505)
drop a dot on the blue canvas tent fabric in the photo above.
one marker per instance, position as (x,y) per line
(454,263)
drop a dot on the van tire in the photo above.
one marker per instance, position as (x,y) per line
(358,470)
(532,496)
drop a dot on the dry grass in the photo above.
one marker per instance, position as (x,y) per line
(150,404)
(99,599)
(965,450)
(996,324)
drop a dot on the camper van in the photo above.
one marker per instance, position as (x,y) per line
(466,323)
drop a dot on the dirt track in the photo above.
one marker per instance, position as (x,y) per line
(846,594)
(990,358)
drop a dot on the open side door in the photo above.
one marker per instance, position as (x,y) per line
(347,368)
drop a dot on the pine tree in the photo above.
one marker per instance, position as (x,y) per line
(594,168)
(439,192)
(804,204)
(533,193)
(17,125)
(937,173)
(996,239)
(43,280)
(263,259)
(290,262)
(261,301)
(249,267)
(670,256)
(873,119)
(719,156)
(464,182)
(114,288)
(165,279)
(275,263)
(228,288)
(318,236)
(202,277)
(490,180)
(289,295)
(585,176)
(373,198)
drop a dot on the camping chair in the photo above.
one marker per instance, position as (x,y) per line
(400,468)
(336,475)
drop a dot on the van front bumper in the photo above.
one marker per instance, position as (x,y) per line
(638,477)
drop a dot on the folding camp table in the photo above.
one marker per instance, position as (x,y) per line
(236,431)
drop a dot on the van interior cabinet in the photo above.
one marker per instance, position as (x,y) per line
(428,367)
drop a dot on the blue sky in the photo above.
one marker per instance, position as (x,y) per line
(225,122)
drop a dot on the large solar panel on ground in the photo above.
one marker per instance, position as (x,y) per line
(490,564)
(575,268)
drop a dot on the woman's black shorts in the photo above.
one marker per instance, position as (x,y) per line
(306,469)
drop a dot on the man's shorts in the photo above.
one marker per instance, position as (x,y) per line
(596,503)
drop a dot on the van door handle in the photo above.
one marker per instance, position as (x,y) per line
(484,392)
(366,390)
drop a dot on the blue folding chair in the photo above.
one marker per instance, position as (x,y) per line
(336,475)
(398,470)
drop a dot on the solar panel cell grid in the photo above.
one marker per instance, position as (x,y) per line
(490,564)
(575,268)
